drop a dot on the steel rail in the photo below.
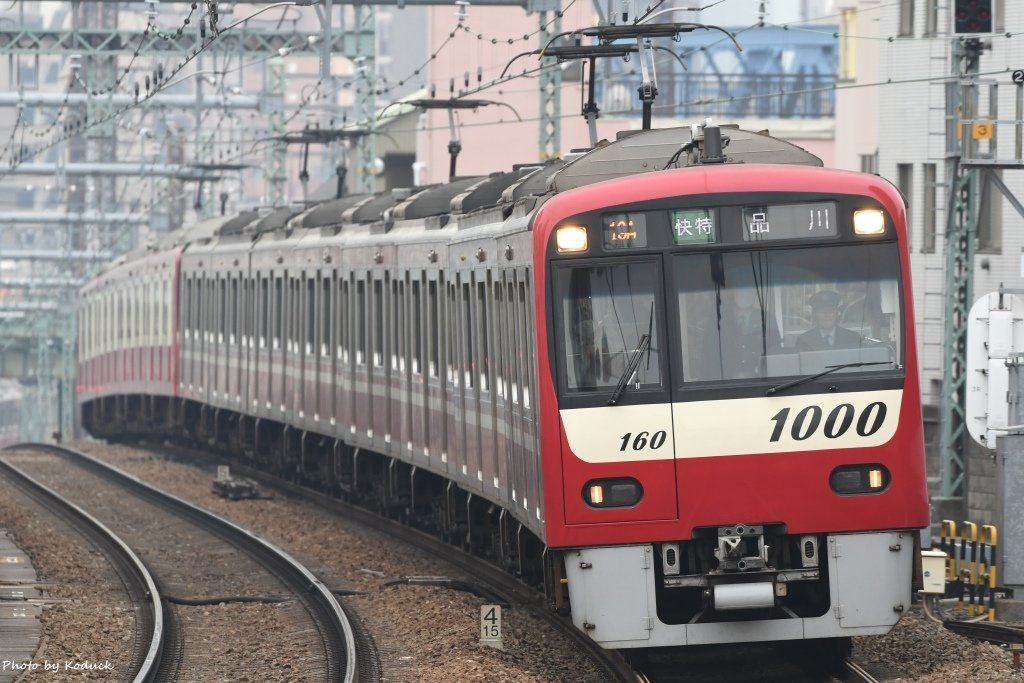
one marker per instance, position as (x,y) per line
(499,581)
(128,565)
(336,631)
(852,672)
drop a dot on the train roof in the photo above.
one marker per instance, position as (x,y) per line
(653,150)
(526,185)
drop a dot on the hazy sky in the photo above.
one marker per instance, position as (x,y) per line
(745,12)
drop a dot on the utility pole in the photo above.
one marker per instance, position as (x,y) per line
(961,232)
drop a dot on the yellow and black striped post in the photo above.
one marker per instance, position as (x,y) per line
(968,565)
(989,539)
(947,544)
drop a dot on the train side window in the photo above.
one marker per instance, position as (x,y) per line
(296,310)
(359,322)
(118,318)
(129,316)
(516,361)
(401,317)
(197,328)
(222,311)
(527,339)
(311,316)
(325,318)
(378,324)
(499,342)
(433,340)
(233,303)
(470,336)
(417,328)
(453,323)
(343,321)
(392,312)
(263,324)
(246,320)
(278,313)
(483,321)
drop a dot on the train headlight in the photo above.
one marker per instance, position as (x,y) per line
(612,493)
(868,222)
(854,479)
(570,238)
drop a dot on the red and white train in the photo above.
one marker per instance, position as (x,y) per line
(674,378)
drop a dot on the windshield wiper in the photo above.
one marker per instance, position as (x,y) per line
(829,369)
(631,368)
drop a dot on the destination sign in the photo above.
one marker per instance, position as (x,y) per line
(790,221)
(624,230)
(692,226)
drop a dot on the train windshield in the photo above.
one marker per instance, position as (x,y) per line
(606,311)
(788,312)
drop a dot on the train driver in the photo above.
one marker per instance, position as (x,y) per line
(826,333)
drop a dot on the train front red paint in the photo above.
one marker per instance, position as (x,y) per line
(730,398)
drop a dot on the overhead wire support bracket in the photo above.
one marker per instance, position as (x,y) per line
(606,47)
(451,104)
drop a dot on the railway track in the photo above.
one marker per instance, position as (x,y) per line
(491,578)
(794,662)
(233,564)
(150,631)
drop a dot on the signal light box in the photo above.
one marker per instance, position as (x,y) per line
(973,16)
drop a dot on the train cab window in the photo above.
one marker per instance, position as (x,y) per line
(606,312)
(755,315)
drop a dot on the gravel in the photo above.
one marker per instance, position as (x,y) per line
(923,651)
(90,619)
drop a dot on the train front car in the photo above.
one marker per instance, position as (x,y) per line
(730,404)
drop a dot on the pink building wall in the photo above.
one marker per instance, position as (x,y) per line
(492,139)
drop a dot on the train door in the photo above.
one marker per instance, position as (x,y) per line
(379,389)
(613,378)
(518,363)
(275,360)
(325,346)
(485,380)
(416,396)
(398,398)
(454,435)
(259,383)
(307,390)
(435,406)
(361,396)
(344,384)
(502,405)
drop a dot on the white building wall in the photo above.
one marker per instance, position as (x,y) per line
(911,119)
